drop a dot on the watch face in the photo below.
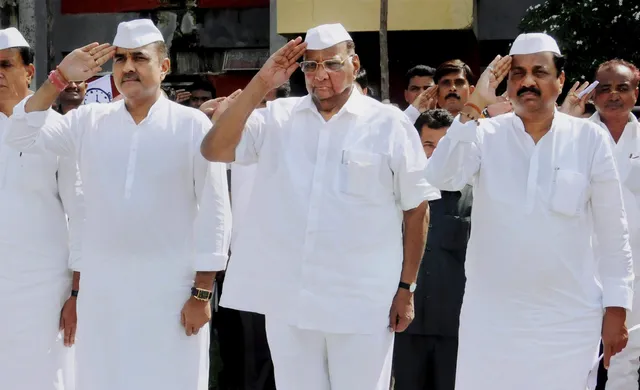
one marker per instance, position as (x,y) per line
(412,288)
(96,95)
(203,294)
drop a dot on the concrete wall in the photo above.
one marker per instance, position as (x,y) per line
(499,19)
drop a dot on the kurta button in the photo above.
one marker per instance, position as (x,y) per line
(430,226)
(428,249)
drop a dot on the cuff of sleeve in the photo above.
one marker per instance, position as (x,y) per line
(463,132)
(428,194)
(34,119)
(211,262)
(615,294)
(412,113)
(74,263)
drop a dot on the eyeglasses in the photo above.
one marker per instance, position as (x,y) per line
(332,65)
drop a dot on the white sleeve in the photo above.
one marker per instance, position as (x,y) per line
(248,150)
(212,229)
(70,190)
(456,160)
(42,132)
(412,113)
(610,227)
(408,163)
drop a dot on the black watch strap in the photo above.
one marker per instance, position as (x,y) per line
(404,285)
(74,293)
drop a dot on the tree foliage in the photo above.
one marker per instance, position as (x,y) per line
(588,32)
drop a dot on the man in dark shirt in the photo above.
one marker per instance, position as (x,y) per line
(425,354)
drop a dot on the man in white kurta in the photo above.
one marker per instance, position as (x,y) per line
(157,217)
(614,99)
(337,175)
(36,191)
(543,182)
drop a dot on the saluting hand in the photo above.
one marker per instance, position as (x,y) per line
(86,62)
(485,91)
(214,108)
(281,65)
(573,105)
(426,100)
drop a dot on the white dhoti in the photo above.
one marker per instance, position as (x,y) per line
(32,353)
(314,360)
(130,336)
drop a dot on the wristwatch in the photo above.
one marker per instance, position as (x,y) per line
(201,294)
(411,287)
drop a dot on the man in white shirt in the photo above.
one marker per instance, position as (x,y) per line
(37,193)
(614,98)
(156,223)
(544,182)
(338,174)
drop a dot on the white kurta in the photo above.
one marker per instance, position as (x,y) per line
(36,191)
(412,113)
(324,247)
(156,212)
(532,309)
(623,372)
(242,178)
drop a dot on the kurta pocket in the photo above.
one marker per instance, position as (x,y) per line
(632,182)
(569,193)
(359,173)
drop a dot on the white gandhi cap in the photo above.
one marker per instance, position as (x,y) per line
(137,33)
(11,37)
(534,43)
(326,35)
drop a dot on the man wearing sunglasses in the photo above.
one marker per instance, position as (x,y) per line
(338,176)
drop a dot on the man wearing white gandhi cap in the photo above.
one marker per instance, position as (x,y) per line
(544,183)
(157,220)
(338,174)
(37,246)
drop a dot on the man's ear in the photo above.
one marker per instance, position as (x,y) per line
(31,71)
(356,64)
(471,89)
(166,68)
(561,80)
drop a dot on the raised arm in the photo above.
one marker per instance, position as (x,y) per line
(456,160)
(225,135)
(32,128)
(79,65)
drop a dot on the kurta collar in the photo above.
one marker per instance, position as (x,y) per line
(628,131)
(519,124)
(158,106)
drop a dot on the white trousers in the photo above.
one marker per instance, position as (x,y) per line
(314,360)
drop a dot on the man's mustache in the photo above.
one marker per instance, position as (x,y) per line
(524,90)
(452,95)
(131,77)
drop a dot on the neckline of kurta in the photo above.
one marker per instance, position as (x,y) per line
(155,107)
(626,134)
(534,158)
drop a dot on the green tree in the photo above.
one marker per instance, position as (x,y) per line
(588,32)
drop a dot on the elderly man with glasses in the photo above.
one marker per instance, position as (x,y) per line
(325,259)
